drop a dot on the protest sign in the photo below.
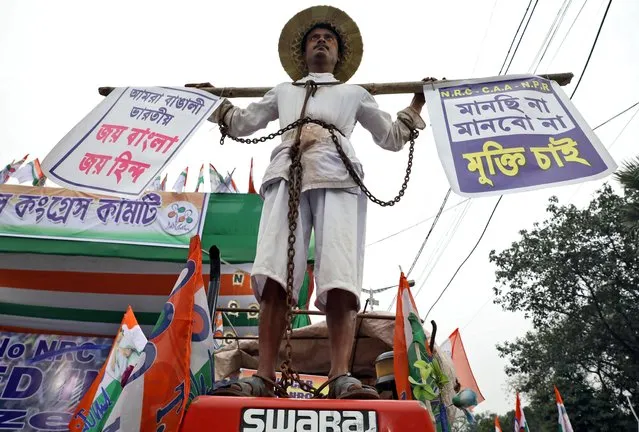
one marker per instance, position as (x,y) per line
(512,134)
(128,139)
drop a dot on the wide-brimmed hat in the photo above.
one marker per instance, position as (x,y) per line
(292,37)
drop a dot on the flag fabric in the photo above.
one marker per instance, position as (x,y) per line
(31,173)
(157,391)
(230,183)
(156,184)
(564,421)
(219,330)
(163,183)
(251,186)
(96,404)
(9,170)
(454,347)
(200,179)
(497,425)
(180,182)
(417,374)
(216,179)
(520,418)
(202,343)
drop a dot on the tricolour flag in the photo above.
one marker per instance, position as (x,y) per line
(564,421)
(229,183)
(180,182)
(96,404)
(156,184)
(31,173)
(497,425)
(200,179)
(157,391)
(454,347)
(215,178)
(9,170)
(202,342)
(251,186)
(520,418)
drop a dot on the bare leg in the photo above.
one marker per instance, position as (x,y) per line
(341,313)
(271,327)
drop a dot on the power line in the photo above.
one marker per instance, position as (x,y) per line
(616,115)
(421,249)
(515,37)
(550,36)
(568,32)
(623,129)
(481,45)
(468,257)
(522,37)
(592,49)
(416,224)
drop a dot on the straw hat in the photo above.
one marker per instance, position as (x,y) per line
(290,45)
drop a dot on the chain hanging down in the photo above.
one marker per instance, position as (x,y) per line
(290,375)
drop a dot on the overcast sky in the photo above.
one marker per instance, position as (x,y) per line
(54,56)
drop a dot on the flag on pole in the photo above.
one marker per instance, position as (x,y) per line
(497,425)
(10,169)
(520,418)
(202,343)
(31,173)
(216,179)
(229,184)
(157,391)
(417,374)
(156,184)
(163,184)
(200,179)
(99,400)
(564,421)
(181,181)
(251,186)
(454,347)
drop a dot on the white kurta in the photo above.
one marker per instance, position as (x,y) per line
(331,204)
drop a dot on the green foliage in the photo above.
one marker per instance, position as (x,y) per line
(576,276)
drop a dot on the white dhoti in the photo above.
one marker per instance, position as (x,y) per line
(338,218)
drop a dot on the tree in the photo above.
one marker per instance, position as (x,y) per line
(628,176)
(576,276)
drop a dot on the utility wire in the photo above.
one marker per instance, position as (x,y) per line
(421,249)
(568,32)
(416,224)
(515,37)
(521,38)
(616,115)
(592,49)
(550,36)
(468,257)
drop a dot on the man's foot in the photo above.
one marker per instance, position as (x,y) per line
(255,386)
(347,387)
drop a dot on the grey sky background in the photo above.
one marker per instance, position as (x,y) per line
(54,56)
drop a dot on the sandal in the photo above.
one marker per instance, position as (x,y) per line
(347,387)
(255,386)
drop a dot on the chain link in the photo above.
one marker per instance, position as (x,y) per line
(289,375)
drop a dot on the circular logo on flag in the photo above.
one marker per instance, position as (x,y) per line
(179,218)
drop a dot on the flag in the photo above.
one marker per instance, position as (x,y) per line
(157,391)
(216,179)
(564,421)
(520,418)
(10,169)
(219,330)
(417,374)
(31,173)
(156,184)
(454,347)
(229,184)
(97,402)
(497,425)
(200,179)
(181,181)
(251,186)
(202,343)
(163,184)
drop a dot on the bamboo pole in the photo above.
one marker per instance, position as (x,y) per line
(373,88)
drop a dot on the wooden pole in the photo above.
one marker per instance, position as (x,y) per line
(373,88)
